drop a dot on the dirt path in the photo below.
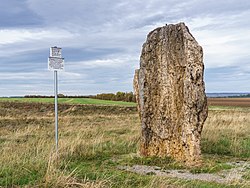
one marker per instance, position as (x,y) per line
(235,174)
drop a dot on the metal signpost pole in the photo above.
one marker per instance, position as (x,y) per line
(56,109)
(56,63)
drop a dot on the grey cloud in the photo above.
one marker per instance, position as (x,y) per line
(15,13)
(102,40)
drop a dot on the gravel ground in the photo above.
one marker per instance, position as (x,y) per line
(234,174)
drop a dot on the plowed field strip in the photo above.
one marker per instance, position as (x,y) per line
(240,102)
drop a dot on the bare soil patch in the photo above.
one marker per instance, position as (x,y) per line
(238,102)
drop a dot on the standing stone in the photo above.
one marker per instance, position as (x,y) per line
(170,93)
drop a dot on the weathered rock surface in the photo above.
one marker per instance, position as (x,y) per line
(170,93)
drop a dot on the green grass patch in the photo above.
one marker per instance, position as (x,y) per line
(20,176)
(247,175)
(164,163)
(2,140)
(227,146)
(210,168)
(220,147)
(70,101)
(95,170)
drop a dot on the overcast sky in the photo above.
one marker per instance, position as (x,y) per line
(101,42)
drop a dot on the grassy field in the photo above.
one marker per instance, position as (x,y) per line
(69,101)
(94,140)
(213,102)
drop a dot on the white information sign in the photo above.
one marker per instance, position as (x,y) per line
(56,52)
(55,63)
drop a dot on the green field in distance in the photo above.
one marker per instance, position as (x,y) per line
(71,101)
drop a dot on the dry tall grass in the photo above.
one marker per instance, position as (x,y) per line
(91,143)
(227,132)
(27,143)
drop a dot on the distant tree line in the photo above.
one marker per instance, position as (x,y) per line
(240,96)
(119,96)
(38,96)
(59,96)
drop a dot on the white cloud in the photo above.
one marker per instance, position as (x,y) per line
(119,28)
(224,42)
(23,76)
(9,36)
(115,61)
